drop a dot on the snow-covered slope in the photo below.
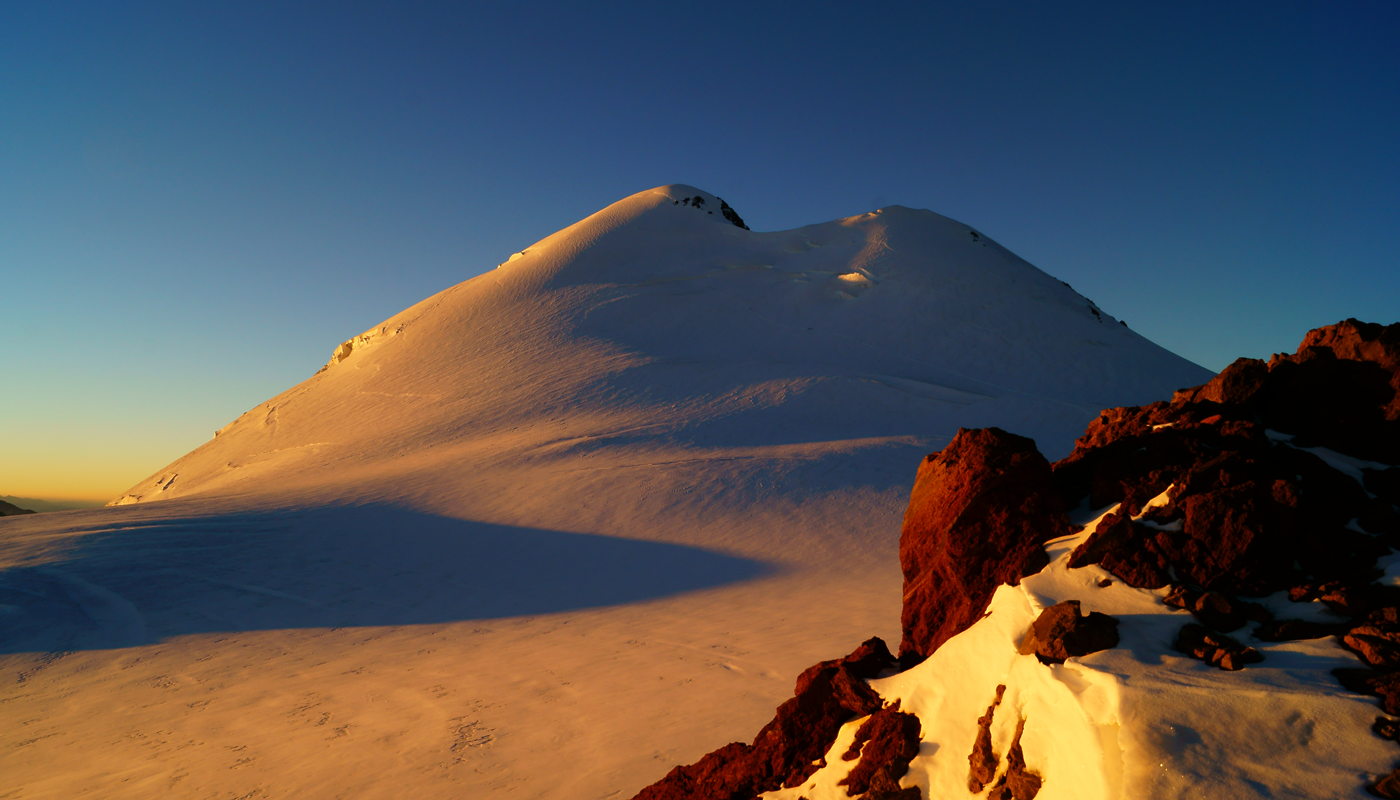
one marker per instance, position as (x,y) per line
(549,531)
(654,325)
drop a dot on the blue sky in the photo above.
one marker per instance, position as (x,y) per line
(199,201)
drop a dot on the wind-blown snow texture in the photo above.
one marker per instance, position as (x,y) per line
(549,531)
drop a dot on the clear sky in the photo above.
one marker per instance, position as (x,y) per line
(199,201)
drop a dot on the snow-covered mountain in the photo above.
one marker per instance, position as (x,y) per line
(659,326)
(552,530)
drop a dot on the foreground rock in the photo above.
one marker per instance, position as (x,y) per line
(793,746)
(978,517)
(1061,632)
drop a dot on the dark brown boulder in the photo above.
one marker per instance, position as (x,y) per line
(885,744)
(1061,632)
(978,516)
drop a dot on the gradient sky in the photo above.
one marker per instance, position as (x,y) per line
(199,201)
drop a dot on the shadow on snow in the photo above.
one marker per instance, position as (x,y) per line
(139,581)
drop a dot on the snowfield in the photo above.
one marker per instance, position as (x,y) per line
(569,523)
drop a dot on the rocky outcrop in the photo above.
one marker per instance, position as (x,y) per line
(980,511)
(730,214)
(1061,632)
(885,744)
(1249,511)
(793,746)
(1248,504)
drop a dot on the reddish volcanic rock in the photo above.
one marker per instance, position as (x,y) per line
(1019,783)
(1219,611)
(977,517)
(791,747)
(885,744)
(1061,632)
(982,761)
(1377,639)
(1385,685)
(1215,649)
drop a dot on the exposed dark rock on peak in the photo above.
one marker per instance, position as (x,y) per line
(1061,632)
(980,511)
(730,214)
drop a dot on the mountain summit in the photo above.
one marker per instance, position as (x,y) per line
(662,322)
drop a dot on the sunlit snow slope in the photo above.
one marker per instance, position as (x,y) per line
(550,531)
(657,330)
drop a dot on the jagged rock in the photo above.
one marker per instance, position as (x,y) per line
(977,517)
(725,774)
(1377,639)
(791,747)
(730,214)
(1019,783)
(1126,550)
(1061,632)
(982,761)
(1215,649)
(1386,728)
(1388,786)
(885,744)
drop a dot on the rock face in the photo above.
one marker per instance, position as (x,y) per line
(1245,510)
(793,746)
(978,516)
